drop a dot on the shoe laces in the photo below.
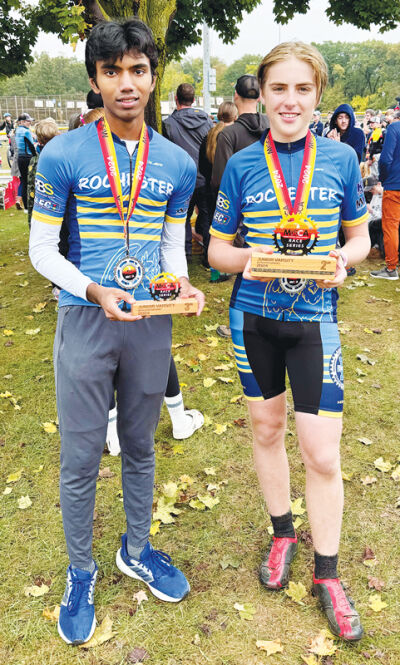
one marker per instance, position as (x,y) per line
(275,553)
(77,589)
(343,603)
(159,563)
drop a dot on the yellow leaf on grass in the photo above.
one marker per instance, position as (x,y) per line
(225,379)
(270,646)
(235,399)
(14,477)
(369,480)
(370,563)
(298,522)
(103,633)
(246,611)
(220,429)
(209,501)
(202,357)
(296,507)
(7,490)
(165,511)
(347,476)
(209,471)
(296,592)
(25,283)
(207,421)
(270,530)
(381,465)
(207,383)
(178,358)
(24,502)
(186,479)
(396,474)
(223,368)
(6,395)
(140,596)
(170,489)
(155,527)
(51,615)
(7,332)
(178,449)
(36,591)
(39,307)
(321,645)
(183,385)
(212,327)
(375,602)
(196,504)
(309,660)
(212,341)
(39,469)
(49,428)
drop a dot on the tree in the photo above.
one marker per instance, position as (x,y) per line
(17,37)
(247,64)
(48,76)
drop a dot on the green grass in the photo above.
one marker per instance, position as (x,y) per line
(31,540)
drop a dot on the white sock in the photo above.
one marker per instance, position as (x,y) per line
(176,409)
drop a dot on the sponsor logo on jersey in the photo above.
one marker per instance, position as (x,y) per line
(151,184)
(221,218)
(42,187)
(360,188)
(46,204)
(316,194)
(336,368)
(222,202)
(360,203)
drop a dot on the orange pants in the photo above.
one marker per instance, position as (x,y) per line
(390,227)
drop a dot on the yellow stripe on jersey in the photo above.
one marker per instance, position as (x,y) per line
(222,236)
(175,220)
(110,199)
(355,222)
(47,219)
(102,211)
(111,235)
(263,213)
(271,225)
(253,234)
(254,399)
(330,414)
(322,211)
(117,222)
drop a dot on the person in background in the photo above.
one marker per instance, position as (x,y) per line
(26,150)
(316,125)
(389,174)
(187,127)
(7,124)
(342,128)
(227,114)
(45,130)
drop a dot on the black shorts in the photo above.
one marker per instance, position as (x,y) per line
(310,351)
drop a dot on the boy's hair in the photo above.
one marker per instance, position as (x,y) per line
(110,40)
(301,51)
(46,130)
(185,94)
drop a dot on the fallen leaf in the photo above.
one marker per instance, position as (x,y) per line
(322,645)
(7,376)
(367,330)
(375,583)
(186,480)
(196,504)
(207,383)
(360,372)
(140,596)
(381,465)
(370,563)
(49,428)
(8,332)
(270,646)
(235,399)
(376,603)
(39,307)
(212,327)
(106,473)
(229,561)
(36,591)
(310,660)
(296,592)
(347,476)
(209,501)
(14,477)
(155,527)
(246,611)
(103,633)
(24,502)
(368,554)
(298,522)
(170,490)
(296,507)
(365,441)
(39,469)
(210,471)
(137,655)
(7,490)
(178,449)
(225,379)
(196,639)
(224,368)
(165,511)
(51,615)
(212,342)
(32,331)
(207,421)
(24,283)
(369,480)
(396,474)
(220,429)
(240,422)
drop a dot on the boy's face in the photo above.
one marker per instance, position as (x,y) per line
(124,85)
(342,121)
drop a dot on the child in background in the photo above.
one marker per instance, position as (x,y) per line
(45,130)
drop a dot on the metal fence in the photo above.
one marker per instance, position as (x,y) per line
(59,107)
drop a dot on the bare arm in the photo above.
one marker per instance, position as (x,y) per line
(223,256)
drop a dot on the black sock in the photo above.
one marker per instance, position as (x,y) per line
(283,525)
(325,566)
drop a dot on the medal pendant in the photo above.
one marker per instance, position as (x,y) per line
(129,273)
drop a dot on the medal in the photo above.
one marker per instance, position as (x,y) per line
(296,234)
(129,271)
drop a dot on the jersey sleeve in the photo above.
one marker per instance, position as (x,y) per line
(227,213)
(354,208)
(52,185)
(179,200)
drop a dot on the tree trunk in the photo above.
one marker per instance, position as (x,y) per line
(157,14)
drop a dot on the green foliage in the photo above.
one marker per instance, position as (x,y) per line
(363,13)
(48,76)
(17,37)
(247,64)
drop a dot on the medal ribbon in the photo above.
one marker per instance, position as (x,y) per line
(111,164)
(278,180)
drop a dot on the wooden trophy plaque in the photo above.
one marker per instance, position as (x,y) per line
(164,291)
(292,266)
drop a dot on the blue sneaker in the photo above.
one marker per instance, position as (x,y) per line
(77,620)
(155,569)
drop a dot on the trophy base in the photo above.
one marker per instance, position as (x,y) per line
(158,307)
(292,267)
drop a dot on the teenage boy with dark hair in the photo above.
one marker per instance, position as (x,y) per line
(98,345)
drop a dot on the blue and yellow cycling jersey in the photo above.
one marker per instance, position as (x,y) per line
(247,197)
(71,182)
(22,133)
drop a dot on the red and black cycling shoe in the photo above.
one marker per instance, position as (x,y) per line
(344,620)
(274,570)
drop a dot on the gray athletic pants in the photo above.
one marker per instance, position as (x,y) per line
(92,357)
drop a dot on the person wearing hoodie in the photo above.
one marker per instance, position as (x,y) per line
(246,130)
(342,128)
(187,127)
